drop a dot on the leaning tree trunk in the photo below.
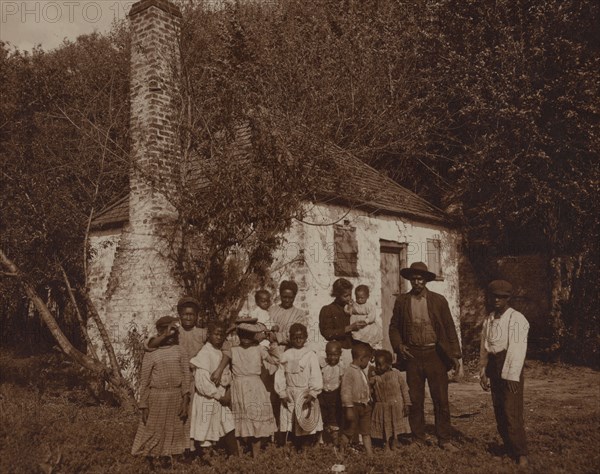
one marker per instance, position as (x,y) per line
(121,387)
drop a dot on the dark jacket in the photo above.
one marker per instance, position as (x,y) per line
(332,322)
(441,320)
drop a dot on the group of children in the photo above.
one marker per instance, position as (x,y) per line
(237,384)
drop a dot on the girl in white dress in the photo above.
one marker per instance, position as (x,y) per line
(299,377)
(212,419)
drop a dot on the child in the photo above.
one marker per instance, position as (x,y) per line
(356,399)
(251,404)
(191,337)
(502,356)
(164,396)
(332,370)
(262,315)
(298,377)
(392,401)
(362,310)
(211,418)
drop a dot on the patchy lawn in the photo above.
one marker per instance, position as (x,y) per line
(50,424)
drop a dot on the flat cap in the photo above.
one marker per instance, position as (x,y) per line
(165,321)
(500,288)
(188,300)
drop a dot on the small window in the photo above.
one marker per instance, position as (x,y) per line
(346,251)
(434,257)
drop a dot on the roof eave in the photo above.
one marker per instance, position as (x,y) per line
(115,224)
(372,208)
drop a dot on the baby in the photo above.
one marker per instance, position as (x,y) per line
(262,298)
(363,310)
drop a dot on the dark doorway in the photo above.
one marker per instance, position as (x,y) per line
(393,259)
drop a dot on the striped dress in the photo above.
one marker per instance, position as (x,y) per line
(284,318)
(165,379)
(391,395)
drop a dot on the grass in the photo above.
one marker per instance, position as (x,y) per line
(51,424)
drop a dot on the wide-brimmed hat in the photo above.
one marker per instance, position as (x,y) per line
(307,414)
(252,327)
(417,268)
(248,320)
(500,288)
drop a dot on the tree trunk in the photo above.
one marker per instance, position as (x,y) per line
(120,386)
(556,319)
(103,335)
(82,324)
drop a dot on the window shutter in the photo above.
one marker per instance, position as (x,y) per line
(434,257)
(346,251)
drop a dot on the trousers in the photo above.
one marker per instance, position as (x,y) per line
(508,406)
(426,365)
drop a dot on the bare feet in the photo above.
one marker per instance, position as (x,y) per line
(522,461)
(255,447)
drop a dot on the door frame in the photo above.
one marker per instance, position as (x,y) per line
(390,246)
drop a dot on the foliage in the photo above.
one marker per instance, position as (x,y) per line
(249,161)
(63,136)
(521,78)
(487,106)
(130,359)
(350,72)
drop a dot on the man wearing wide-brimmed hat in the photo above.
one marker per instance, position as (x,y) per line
(502,356)
(423,334)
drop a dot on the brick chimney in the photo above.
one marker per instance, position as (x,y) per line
(141,287)
(153,92)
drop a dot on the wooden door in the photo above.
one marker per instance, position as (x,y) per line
(393,259)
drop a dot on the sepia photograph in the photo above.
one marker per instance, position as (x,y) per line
(300,236)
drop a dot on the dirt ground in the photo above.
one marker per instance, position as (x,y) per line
(561,403)
(50,424)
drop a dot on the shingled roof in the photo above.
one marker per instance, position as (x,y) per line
(113,216)
(368,189)
(364,188)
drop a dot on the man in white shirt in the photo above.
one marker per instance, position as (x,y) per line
(502,356)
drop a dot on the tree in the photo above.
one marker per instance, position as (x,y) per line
(485,106)
(521,78)
(64,155)
(300,82)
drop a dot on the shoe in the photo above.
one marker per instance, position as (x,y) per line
(449,447)
(165,462)
(522,461)
(420,442)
